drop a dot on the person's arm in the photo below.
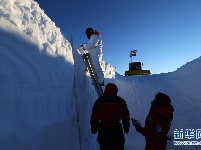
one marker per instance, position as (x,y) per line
(94,118)
(126,119)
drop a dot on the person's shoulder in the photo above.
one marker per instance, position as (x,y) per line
(100,99)
(96,36)
(108,99)
(120,99)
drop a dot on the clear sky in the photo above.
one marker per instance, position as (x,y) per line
(166,33)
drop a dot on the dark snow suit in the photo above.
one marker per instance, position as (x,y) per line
(107,113)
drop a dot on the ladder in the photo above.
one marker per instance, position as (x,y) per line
(94,77)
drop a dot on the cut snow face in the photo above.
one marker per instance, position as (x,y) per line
(47,94)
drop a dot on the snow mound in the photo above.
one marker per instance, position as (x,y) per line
(188,78)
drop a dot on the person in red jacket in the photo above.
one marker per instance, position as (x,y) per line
(107,113)
(157,123)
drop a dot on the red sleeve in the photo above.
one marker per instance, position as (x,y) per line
(94,119)
(126,118)
(157,131)
(126,114)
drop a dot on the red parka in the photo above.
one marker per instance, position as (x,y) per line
(157,125)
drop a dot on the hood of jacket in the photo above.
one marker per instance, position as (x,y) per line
(110,90)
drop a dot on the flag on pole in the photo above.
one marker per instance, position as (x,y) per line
(133,53)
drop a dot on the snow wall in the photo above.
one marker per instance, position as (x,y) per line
(40,96)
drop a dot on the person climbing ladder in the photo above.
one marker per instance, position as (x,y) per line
(94,48)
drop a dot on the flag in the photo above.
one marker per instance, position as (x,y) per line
(133,53)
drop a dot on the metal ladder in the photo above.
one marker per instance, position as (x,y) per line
(94,77)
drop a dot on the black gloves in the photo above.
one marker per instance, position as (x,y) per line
(138,128)
(82,46)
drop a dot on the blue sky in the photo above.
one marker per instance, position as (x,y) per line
(166,33)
